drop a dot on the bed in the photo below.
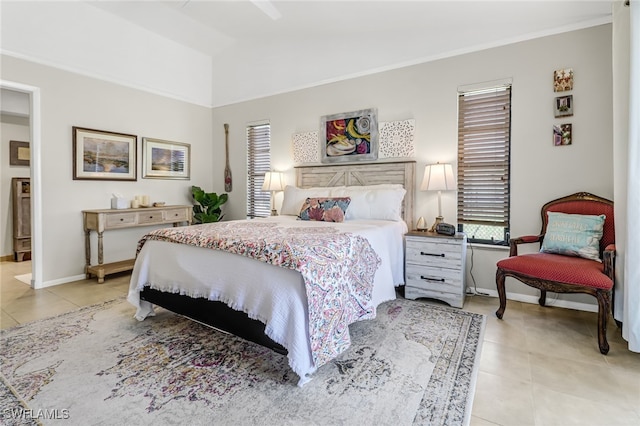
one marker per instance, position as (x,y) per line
(218,288)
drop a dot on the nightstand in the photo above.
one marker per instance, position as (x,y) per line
(435,266)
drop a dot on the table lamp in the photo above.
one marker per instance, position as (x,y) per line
(273,182)
(438,177)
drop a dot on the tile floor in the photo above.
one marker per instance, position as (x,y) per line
(539,366)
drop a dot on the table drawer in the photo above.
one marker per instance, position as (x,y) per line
(120,220)
(150,217)
(177,215)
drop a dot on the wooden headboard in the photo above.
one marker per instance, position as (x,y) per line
(402,173)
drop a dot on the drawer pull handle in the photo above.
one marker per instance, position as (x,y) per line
(440,280)
(150,217)
(121,220)
(432,254)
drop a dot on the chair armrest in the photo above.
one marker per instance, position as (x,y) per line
(526,239)
(609,261)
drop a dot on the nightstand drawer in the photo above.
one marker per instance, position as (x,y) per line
(441,279)
(429,253)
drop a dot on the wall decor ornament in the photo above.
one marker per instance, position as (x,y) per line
(103,155)
(563,106)
(562,134)
(305,148)
(396,139)
(349,136)
(563,80)
(19,153)
(165,159)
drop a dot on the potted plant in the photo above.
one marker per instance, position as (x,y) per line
(208,207)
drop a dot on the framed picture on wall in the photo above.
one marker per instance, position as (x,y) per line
(563,106)
(562,134)
(349,136)
(19,153)
(165,159)
(563,80)
(103,155)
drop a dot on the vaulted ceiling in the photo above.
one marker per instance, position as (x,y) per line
(252,49)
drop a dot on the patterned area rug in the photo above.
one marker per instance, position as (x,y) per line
(414,364)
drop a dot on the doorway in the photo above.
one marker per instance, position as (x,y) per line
(33,94)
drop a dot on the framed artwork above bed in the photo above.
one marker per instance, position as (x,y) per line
(349,136)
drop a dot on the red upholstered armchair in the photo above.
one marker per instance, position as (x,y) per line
(561,273)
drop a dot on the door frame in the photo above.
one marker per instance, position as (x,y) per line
(36,177)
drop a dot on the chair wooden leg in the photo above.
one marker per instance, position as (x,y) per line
(502,294)
(543,297)
(613,307)
(604,300)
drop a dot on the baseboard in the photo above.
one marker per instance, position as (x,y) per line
(63,280)
(6,258)
(551,301)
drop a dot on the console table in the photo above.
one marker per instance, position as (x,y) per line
(108,219)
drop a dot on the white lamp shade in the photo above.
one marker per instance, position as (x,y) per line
(273,181)
(438,177)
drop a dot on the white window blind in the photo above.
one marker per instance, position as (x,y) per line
(484,138)
(258,163)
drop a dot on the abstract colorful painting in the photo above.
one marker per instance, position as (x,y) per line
(350,136)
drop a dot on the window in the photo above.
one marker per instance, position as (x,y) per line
(258,163)
(484,128)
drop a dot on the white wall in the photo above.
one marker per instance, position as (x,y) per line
(12,128)
(70,100)
(77,35)
(428,94)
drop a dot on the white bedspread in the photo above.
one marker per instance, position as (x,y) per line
(275,296)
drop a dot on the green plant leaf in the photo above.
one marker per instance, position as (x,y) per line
(208,205)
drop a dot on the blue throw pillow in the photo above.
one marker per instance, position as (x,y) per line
(574,235)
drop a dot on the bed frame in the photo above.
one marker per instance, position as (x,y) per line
(222,317)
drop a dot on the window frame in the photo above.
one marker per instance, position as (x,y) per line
(484,161)
(258,135)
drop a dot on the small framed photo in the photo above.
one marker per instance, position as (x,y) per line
(564,106)
(165,159)
(19,153)
(103,155)
(563,80)
(562,134)
(349,136)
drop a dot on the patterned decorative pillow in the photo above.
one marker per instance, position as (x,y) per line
(574,235)
(325,209)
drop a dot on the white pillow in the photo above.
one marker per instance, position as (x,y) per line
(295,197)
(383,202)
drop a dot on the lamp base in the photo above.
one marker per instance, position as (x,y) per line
(439,219)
